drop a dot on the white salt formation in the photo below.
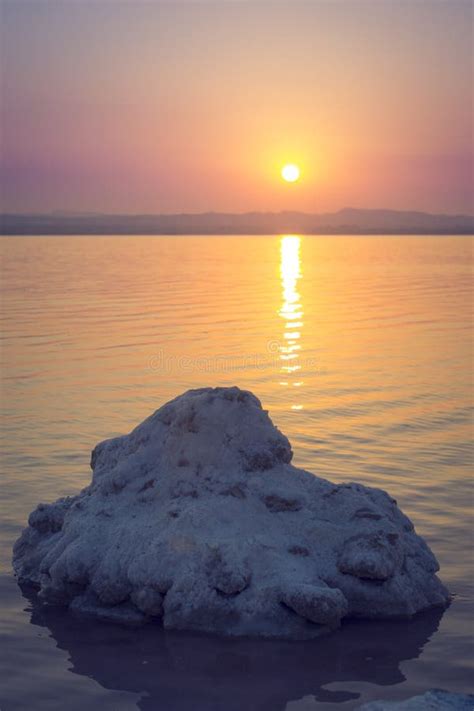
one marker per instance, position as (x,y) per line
(198,517)
(432,700)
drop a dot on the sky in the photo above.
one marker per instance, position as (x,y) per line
(148,106)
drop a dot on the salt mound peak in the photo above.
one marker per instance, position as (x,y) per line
(215,430)
(198,517)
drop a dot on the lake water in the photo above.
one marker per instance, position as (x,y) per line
(360,348)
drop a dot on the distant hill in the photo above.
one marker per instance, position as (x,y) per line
(346,221)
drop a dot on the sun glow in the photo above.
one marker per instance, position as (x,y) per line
(290,173)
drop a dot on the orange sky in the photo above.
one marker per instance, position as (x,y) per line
(167,107)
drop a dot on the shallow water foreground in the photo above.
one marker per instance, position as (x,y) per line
(361,350)
(153,669)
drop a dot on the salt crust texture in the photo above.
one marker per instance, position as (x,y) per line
(199,518)
(432,700)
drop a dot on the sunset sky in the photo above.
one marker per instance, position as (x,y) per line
(194,106)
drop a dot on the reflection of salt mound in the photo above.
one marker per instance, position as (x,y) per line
(197,516)
(177,671)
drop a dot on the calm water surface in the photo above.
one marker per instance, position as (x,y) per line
(360,348)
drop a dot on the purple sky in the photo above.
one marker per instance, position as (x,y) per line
(194,106)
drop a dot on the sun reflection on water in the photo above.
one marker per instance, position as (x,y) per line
(291,312)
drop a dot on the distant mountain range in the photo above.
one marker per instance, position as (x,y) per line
(346,221)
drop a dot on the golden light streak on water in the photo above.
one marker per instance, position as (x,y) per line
(291,310)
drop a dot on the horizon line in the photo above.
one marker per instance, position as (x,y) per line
(59,212)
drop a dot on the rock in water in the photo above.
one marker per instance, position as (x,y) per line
(432,700)
(197,517)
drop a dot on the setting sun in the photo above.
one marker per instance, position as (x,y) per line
(290,173)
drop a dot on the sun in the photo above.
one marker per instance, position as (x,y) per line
(290,173)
